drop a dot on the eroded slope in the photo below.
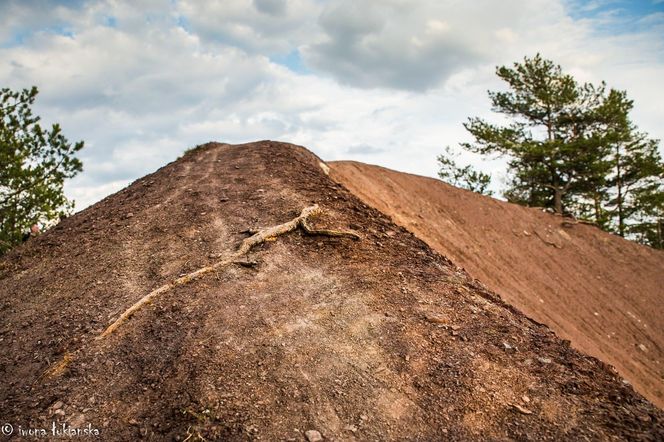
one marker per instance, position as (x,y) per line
(603,293)
(377,339)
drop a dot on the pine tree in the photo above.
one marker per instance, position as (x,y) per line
(35,163)
(555,141)
(465,177)
(573,147)
(648,223)
(636,168)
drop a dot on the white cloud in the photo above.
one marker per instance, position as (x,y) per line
(269,27)
(390,83)
(419,45)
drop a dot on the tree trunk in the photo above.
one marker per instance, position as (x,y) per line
(558,200)
(598,209)
(621,221)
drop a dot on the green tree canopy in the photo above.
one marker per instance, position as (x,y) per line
(35,163)
(635,173)
(465,177)
(557,131)
(572,147)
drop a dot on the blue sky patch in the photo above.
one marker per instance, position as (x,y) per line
(64,30)
(618,16)
(20,37)
(17,39)
(292,61)
(182,22)
(110,21)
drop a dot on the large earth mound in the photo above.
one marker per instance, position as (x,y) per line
(603,293)
(307,336)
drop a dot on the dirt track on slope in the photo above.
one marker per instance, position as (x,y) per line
(603,293)
(376,339)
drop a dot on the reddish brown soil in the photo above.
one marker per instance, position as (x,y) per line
(376,339)
(603,293)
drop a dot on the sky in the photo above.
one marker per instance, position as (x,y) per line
(385,82)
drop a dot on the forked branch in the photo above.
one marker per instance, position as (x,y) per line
(261,236)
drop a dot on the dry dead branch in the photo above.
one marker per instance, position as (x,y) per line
(261,236)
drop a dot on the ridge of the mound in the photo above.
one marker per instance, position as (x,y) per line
(603,293)
(376,339)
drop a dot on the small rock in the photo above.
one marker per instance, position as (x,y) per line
(508,347)
(351,428)
(544,360)
(77,421)
(522,410)
(643,348)
(129,215)
(313,436)
(250,264)
(59,412)
(526,399)
(436,318)
(252,429)
(58,405)
(223,199)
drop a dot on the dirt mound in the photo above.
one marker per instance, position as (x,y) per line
(603,293)
(373,339)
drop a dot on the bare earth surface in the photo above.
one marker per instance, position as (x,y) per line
(603,293)
(376,339)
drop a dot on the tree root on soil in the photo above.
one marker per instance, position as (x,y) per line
(267,234)
(58,368)
(546,241)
